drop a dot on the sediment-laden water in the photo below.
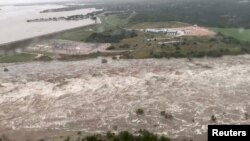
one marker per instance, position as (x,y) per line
(14,25)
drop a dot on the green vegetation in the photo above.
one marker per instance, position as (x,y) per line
(119,18)
(44,58)
(205,12)
(170,24)
(166,115)
(163,113)
(22,57)
(135,44)
(237,33)
(139,111)
(109,31)
(67,139)
(88,56)
(116,20)
(111,24)
(79,34)
(209,13)
(213,118)
(193,12)
(104,61)
(227,42)
(141,135)
(189,47)
(5,70)
(108,37)
(247,116)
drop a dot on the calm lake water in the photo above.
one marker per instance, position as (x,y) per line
(13,25)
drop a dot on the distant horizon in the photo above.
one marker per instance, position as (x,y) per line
(10,2)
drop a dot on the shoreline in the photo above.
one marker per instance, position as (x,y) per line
(18,33)
(19,44)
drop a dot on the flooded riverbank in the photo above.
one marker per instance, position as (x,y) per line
(14,25)
(93,97)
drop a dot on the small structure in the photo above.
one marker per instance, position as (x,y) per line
(194,30)
(166,31)
(151,30)
(188,32)
(171,32)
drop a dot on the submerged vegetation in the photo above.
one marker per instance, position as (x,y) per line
(142,135)
(20,57)
(139,111)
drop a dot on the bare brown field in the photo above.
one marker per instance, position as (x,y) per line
(197,31)
(49,99)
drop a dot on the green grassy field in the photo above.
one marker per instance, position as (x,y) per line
(237,33)
(111,22)
(216,46)
(79,34)
(22,57)
(172,24)
(76,35)
(115,20)
(139,47)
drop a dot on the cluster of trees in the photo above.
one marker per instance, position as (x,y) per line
(199,54)
(142,135)
(213,13)
(111,38)
(230,40)
(231,14)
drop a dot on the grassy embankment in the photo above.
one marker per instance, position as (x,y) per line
(237,33)
(22,57)
(109,23)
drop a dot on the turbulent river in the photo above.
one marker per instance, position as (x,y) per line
(94,97)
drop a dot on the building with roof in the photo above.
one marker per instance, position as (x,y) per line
(166,31)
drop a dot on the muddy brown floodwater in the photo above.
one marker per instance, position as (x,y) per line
(92,97)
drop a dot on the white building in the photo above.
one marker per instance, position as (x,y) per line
(175,33)
(168,32)
(152,30)
(188,31)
